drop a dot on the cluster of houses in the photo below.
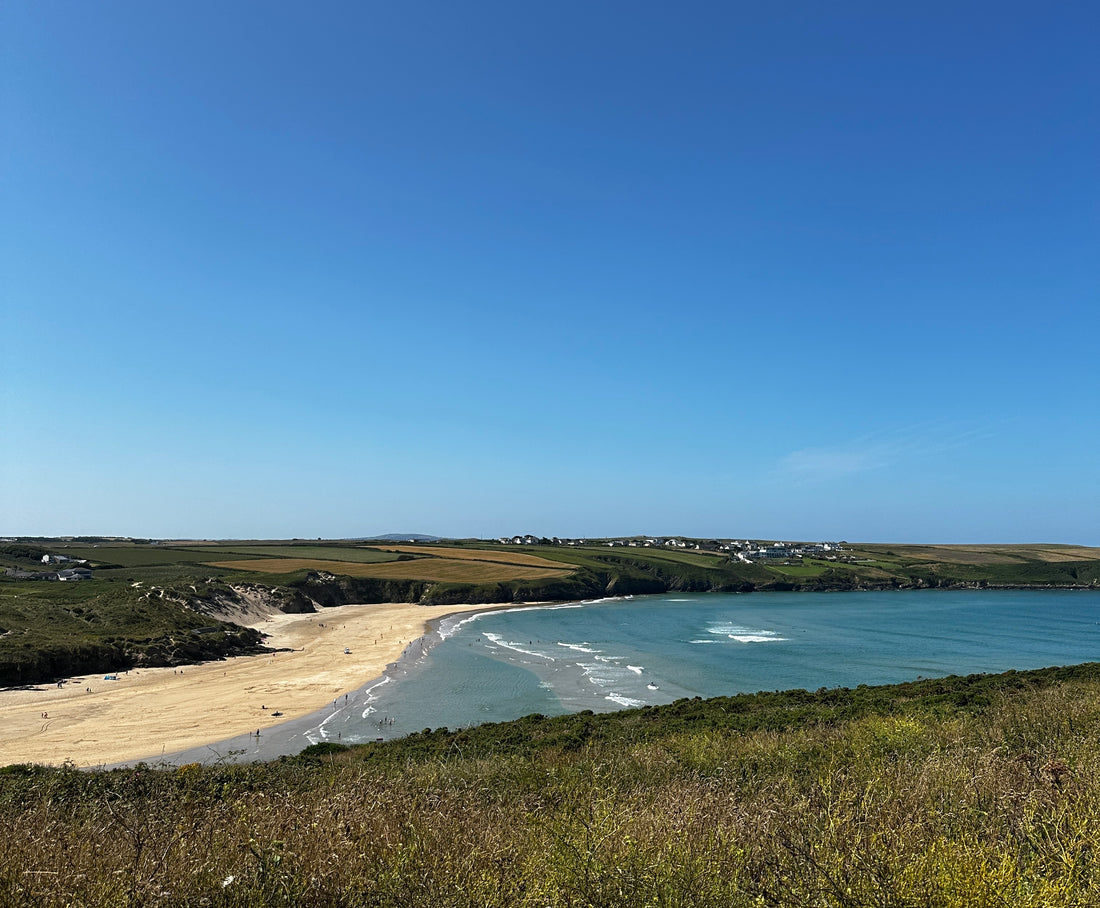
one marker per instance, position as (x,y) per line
(741,550)
(784,551)
(66,574)
(73,573)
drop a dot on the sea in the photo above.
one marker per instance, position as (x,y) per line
(611,654)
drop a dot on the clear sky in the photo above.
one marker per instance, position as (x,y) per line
(795,270)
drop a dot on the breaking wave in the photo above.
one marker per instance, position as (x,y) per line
(744,634)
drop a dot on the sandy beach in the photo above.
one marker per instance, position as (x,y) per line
(91,721)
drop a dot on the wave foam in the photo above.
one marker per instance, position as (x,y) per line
(516,647)
(369,691)
(744,634)
(580,647)
(627,702)
(450,626)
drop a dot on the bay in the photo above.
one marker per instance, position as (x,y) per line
(613,654)
(605,655)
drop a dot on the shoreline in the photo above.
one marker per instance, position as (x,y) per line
(292,735)
(215,708)
(212,711)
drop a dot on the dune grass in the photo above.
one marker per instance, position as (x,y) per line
(51,630)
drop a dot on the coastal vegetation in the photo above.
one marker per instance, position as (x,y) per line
(52,630)
(983,790)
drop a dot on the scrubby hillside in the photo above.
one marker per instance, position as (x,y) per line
(53,630)
(957,792)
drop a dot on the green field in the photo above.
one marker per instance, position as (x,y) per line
(133,556)
(808,568)
(354,554)
(165,564)
(991,565)
(595,555)
(478,553)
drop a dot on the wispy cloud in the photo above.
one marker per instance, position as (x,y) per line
(875,451)
(811,464)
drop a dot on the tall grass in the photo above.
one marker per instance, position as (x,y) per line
(916,806)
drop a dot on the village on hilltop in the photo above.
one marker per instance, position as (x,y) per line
(745,550)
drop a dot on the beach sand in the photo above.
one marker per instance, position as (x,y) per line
(152,711)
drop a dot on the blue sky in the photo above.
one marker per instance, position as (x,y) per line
(714,269)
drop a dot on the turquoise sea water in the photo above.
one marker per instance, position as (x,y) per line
(655,649)
(619,653)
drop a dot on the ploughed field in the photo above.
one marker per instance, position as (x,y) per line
(409,562)
(446,569)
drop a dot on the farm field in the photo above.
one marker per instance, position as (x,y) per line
(456,570)
(594,555)
(361,554)
(148,556)
(801,569)
(140,556)
(452,570)
(982,554)
(499,556)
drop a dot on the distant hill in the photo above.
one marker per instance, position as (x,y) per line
(402,537)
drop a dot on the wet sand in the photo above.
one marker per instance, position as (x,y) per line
(150,712)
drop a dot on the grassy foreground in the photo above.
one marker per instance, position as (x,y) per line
(979,791)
